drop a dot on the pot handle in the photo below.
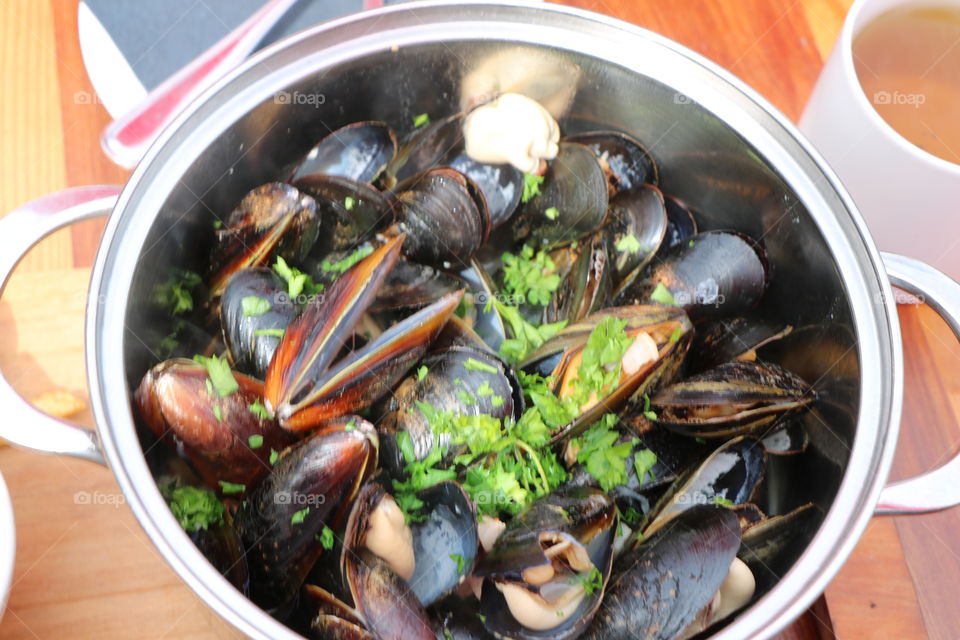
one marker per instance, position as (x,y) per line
(940,488)
(23,424)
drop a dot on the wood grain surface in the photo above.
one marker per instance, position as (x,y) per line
(84,567)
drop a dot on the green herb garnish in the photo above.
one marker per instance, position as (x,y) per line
(276,333)
(628,244)
(230,488)
(194,508)
(274,454)
(531,186)
(600,361)
(255,441)
(219,374)
(601,456)
(643,462)
(254,306)
(647,413)
(421,120)
(298,517)
(591,581)
(259,410)
(552,213)
(176,294)
(349,203)
(526,337)
(530,276)
(675,336)
(724,502)
(218,413)
(662,295)
(326,538)
(631,516)
(341,266)
(456,557)
(297,281)
(422,372)
(472,364)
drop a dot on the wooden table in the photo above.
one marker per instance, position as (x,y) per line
(84,567)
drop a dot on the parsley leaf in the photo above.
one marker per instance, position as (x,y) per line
(531,186)
(326,538)
(274,454)
(422,373)
(297,281)
(297,518)
(526,337)
(259,410)
(220,375)
(341,266)
(643,462)
(254,306)
(662,295)
(530,276)
(600,361)
(724,502)
(421,120)
(647,413)
(194,508)
(552,213)
(255,441)
(459,559)
(602,457)
(349,203)
(230,488)
(628,244)
(276,333)
(591,580)
(176,294)
(472,364)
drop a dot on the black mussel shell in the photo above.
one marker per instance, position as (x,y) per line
(660,587)
(766,544)
(681,224)
(255,310)
(359,151)
(636,224)
(731,399)
(501,184)
(622,156)
(386,602)
(586,286)
(729,339)
(714,274)
(425,148)
(411,286)
(221,545)
(350,211)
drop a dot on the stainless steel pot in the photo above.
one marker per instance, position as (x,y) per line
(722,148)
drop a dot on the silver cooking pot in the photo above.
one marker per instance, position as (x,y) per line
(721,147)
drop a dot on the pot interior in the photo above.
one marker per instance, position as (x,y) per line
(703,161)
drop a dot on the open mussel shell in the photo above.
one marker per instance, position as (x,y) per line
(501,184)
(359,151)
(714,274)
(659,588)
(681,224)
(729,339)
(255,310)
(350,211)
(669,329)
(411,286)
(452,382)
(425,148)
(765,541)
(176,401)
(636,225)
(221,545)
(388,605)
(586,286)
(572,201)
(627,162)
(786,439)
(444,215)
(731,399)
(546,550)
(729,475)
(455,618)
(310,486)
(273,219)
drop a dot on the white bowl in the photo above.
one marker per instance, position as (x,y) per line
(8,545)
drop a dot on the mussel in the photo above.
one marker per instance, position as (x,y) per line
(622,157)
(358,151)
(587,285)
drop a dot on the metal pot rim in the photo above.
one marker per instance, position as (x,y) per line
(859,263)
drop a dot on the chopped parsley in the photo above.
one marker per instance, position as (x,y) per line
(643,462)
(662,295)
(276,333)
(231,488)
(647,413)
(255,441)
(421,120)
(194,508)
(341,266)
(297,281)
(600,361)
(297,518)
(691,244)
(260,411)
(254,306)
(675,336)
(631,516)
(456,557)
(220,376)
(603,459)
(326,538)
(176,294)
(530,276)
(496,401)
(420,475)
(723,502)
(552,213)
(274,454)
(531,186)
(472,364)
(351,425)
(628,244)
(526,337)
(349,203)
(422,372)
(591,580)
(484,390)
(218,413)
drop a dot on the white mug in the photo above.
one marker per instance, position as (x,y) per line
(909,198)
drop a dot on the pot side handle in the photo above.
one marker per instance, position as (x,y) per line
(23,424)
(938,489)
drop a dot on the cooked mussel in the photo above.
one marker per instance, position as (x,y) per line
(681,224)
(310,487)
(255,310)
(622,157)
(273,219)
(350,211)
(636,225)
(660,337)
(304,390)
(733,398)
(359,151)
(586,286)
(221,430)
(714,274)
(572,201)
(545,576)
(729,339)
(444,216)
(659,589)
